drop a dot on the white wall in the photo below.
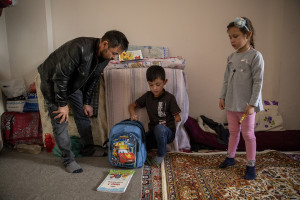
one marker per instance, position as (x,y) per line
(194,29)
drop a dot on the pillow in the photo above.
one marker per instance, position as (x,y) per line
(198,136)
(269,119)
(151,51)
(195,132)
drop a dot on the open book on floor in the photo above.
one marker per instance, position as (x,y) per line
(116,181)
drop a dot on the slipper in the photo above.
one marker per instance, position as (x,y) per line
(148,161)
(155,163)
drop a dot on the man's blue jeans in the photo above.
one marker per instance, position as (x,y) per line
(159,138)
(60,131)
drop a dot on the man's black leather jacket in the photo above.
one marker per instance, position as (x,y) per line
(72,66)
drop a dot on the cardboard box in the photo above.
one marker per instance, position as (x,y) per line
(15,106)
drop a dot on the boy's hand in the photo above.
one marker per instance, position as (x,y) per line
(177,118)
(134,117)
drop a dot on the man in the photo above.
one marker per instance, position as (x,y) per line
(68,76)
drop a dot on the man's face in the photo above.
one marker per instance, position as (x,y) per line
(109,53)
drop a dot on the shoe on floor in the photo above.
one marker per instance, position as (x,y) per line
(227,162)
(250,173)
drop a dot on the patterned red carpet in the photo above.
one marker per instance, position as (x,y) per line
(151,188)
(197,176)
(151,184)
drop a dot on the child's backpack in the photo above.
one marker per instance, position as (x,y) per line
(127,145)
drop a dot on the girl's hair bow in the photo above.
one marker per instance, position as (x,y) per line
(240,23)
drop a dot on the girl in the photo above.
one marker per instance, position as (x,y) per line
(241,91)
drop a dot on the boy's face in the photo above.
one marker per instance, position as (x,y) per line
(157,86)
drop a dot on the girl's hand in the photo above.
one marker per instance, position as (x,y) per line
(222,104)
(134,117)
(249,110)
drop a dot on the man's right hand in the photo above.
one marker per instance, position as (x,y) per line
(62,113)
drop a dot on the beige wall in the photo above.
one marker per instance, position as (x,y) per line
(194,29)
(4,57)
(289,79)
(27,38)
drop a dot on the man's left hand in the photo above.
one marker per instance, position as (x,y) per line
(88,110)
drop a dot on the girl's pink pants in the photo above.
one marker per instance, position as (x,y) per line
(247,128)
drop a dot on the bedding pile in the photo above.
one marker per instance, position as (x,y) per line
(171,62)
(288,140)
(126,81)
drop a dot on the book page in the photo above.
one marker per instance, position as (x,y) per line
(116,181)
(131,55)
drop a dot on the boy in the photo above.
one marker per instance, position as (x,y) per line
(162,110)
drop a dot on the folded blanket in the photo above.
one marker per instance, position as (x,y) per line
(171,62)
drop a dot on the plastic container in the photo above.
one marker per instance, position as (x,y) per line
(49,142)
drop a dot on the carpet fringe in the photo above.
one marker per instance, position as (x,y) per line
(164,183)
(219,152)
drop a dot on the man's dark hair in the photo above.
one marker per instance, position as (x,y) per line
(116,38)
(155,72)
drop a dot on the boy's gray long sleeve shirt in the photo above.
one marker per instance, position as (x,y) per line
(243,80)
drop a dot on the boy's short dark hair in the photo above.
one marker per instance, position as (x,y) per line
(155,72)
(116,38)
